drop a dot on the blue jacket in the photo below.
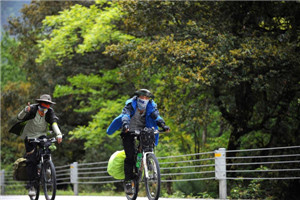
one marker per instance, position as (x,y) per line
(153,119)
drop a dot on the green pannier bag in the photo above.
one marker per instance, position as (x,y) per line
(20,172)
(115,166)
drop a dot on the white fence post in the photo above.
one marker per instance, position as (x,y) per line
(74,176)
(220,171)
(2,181)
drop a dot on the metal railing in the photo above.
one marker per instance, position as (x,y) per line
(276,163)
(273,161)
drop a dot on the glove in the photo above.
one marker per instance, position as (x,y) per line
(125,128)
(166,128)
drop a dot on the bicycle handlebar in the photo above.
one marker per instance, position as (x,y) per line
(138,132)
(37,140)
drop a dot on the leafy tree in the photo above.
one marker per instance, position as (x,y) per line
(11,146)
(86,31)
(80,30)
(240,68)
(210,65)
(39,79)
(10,61)
(247,64)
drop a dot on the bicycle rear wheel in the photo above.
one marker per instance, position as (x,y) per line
(49,180)
(152,183)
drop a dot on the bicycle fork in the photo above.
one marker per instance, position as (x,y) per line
(145,164)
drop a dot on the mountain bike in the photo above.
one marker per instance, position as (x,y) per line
(46,170)
(148,169)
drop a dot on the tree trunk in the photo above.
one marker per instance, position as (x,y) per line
(233,143)
(222,124)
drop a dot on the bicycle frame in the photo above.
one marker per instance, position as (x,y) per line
(42,154)
(137,134)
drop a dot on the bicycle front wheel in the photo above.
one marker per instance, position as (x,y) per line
(37,190)
(49,180)
(152,183)
(135,191)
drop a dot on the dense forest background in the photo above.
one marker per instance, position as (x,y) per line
(224,74)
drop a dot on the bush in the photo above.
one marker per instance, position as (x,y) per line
(253,191)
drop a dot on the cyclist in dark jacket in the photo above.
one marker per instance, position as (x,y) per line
(139,112)
(34,120)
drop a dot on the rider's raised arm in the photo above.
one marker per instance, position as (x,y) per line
(24,112)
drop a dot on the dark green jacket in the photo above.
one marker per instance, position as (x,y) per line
(18,127)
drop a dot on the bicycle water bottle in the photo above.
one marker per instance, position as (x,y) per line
(138,160)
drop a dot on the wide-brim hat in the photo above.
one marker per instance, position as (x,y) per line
(45,98)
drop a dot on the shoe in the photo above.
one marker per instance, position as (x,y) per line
(129,187)
(32,191)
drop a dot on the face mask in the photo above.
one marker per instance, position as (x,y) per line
(142,104)
(43,109)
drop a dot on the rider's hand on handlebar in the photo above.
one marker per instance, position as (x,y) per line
(166,128)
(125,128)
(59,139)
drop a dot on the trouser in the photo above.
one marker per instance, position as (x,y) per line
(32,159)
(129,147)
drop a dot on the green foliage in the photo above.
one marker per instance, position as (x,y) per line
(196,189)
(80,30)
(214,143)
(95,132)
(253,191)
(11,146)
(26,29)
(10,61)
(91,90)
(227,74)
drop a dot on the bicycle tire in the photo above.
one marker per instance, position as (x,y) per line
(152,183)
(49,180)
(136,191)
(37,190)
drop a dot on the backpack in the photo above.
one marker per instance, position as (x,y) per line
(115,166)
(20,172)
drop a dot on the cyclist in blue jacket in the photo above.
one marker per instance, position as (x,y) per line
(139,112)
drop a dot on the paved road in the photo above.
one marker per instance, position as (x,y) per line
(23,197)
